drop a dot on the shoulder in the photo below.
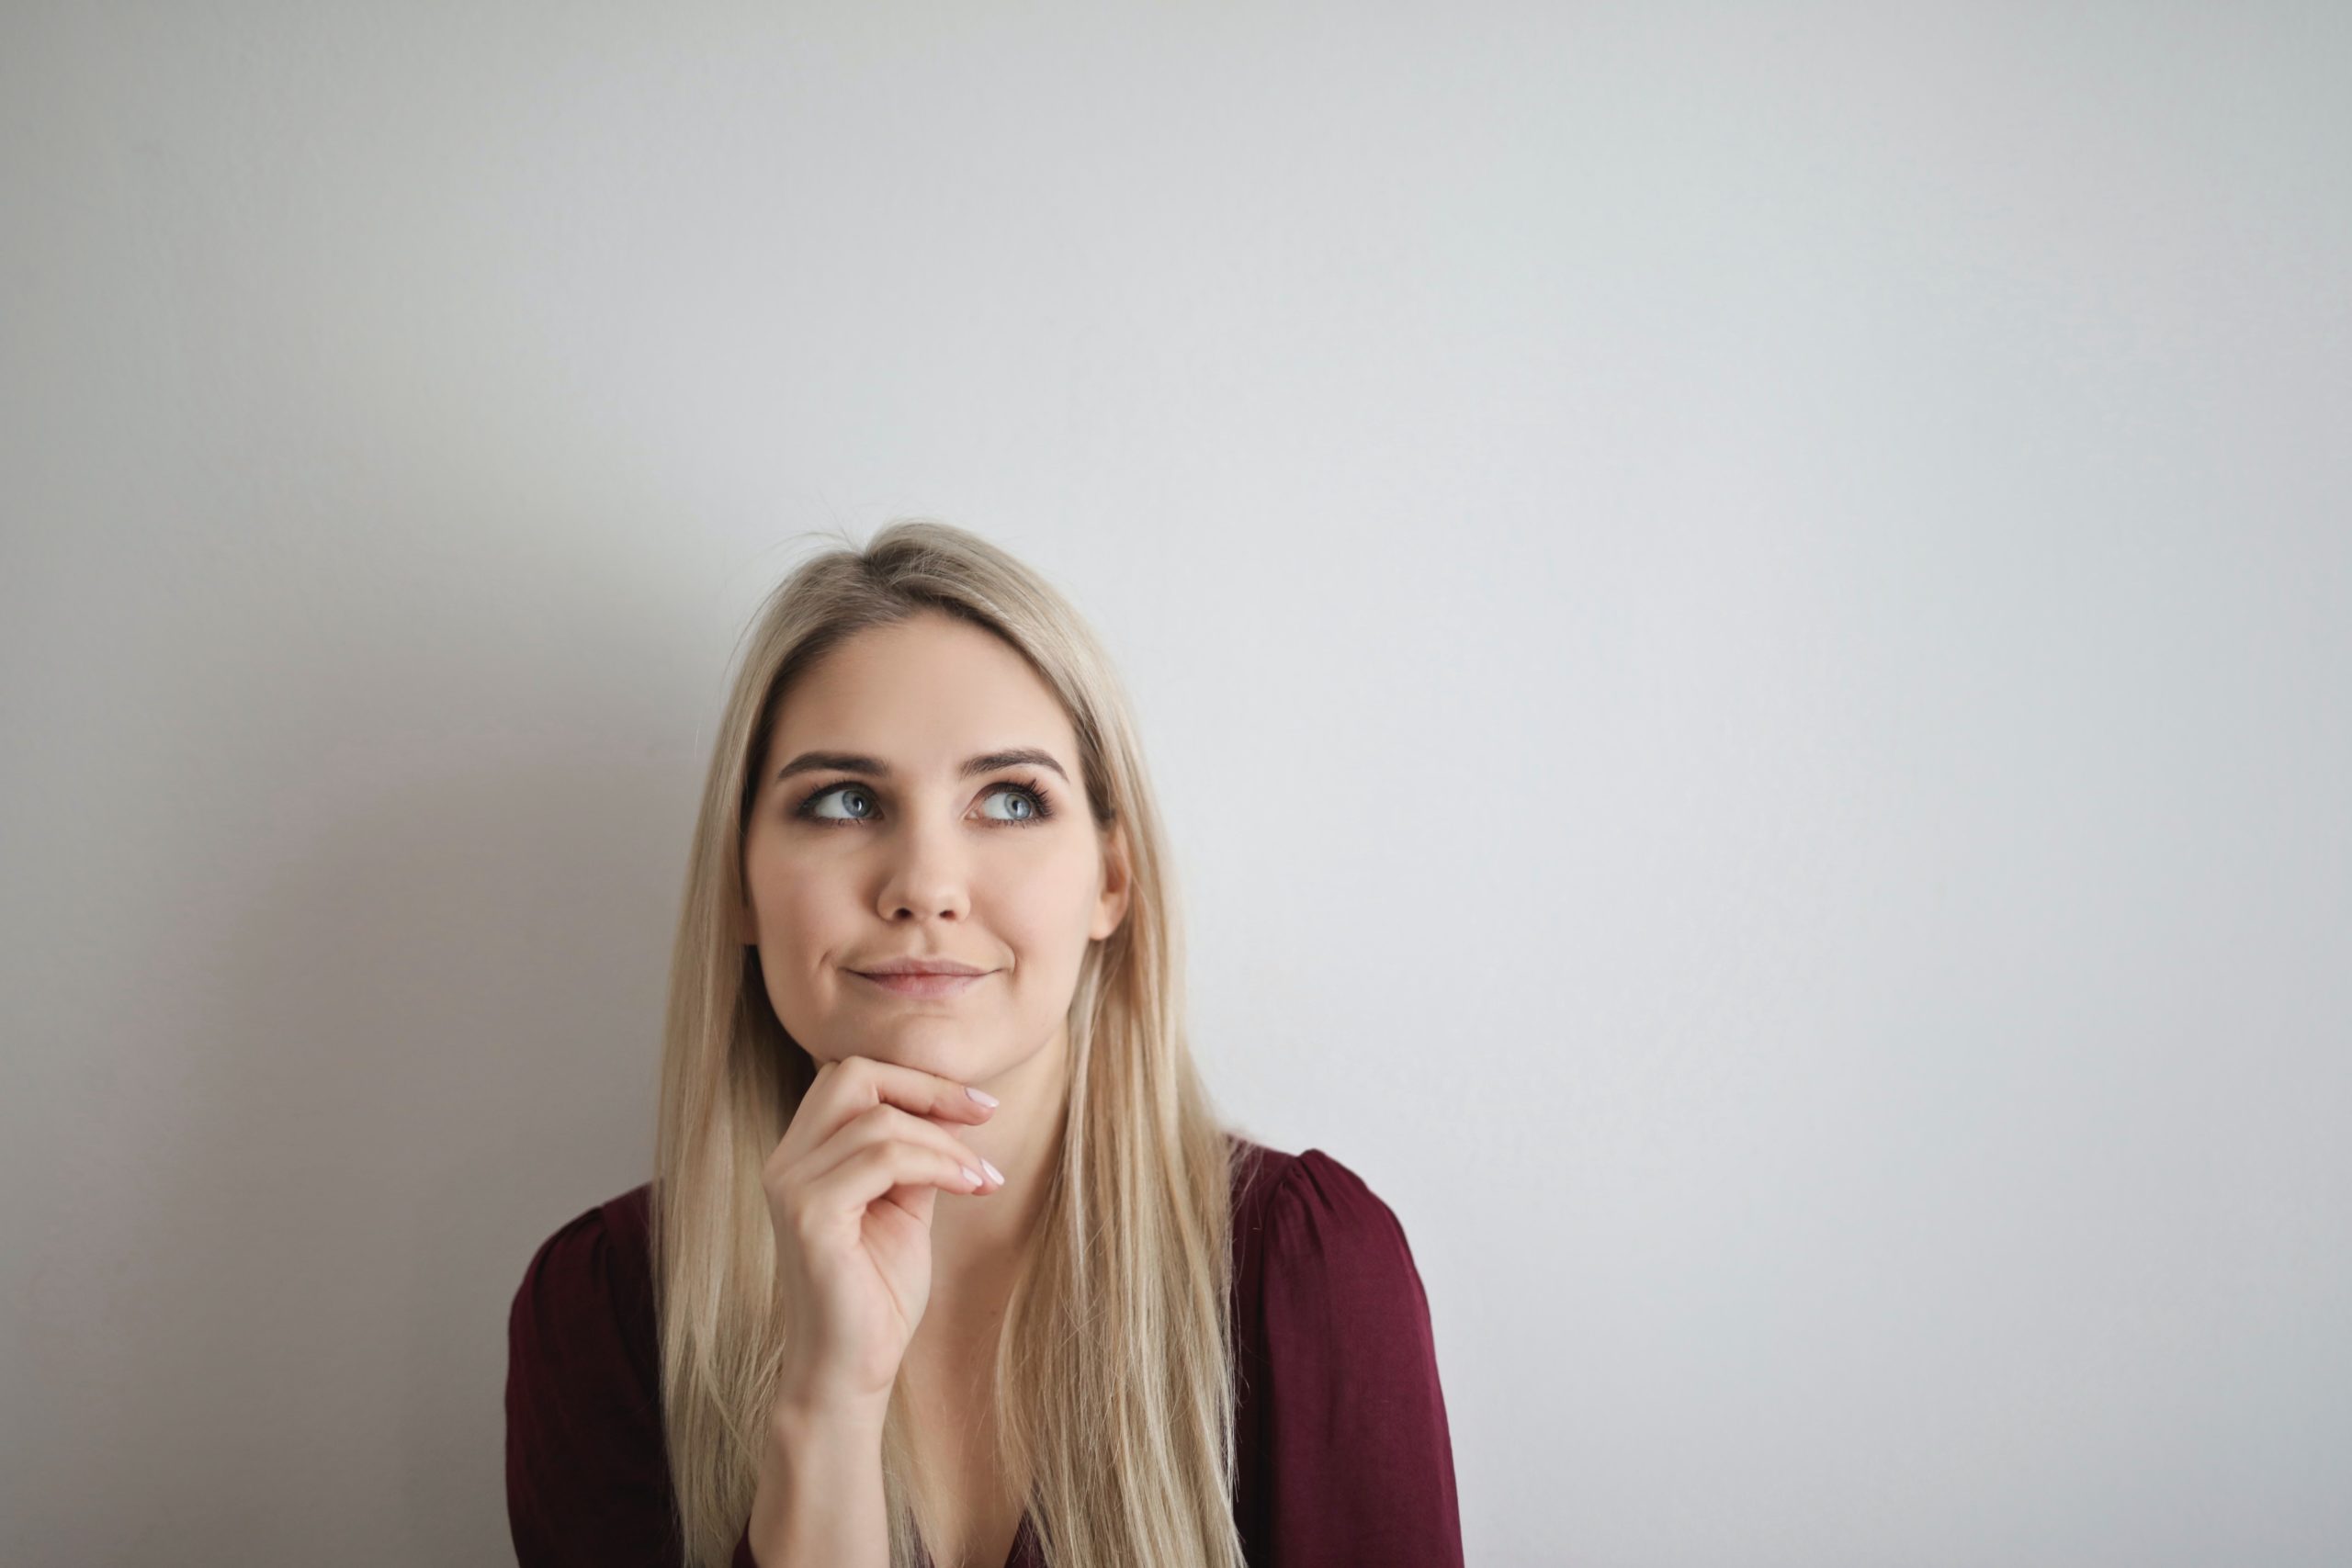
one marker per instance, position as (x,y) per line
(1311,1188)
(1310,1219)
(595,1248)
(587,1292)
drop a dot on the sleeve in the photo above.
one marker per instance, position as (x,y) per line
(587,1479)
(1359,1459)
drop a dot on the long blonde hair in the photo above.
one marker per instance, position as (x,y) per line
(1114,1376)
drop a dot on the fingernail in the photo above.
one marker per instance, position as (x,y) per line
(993,1172)
(980,1095)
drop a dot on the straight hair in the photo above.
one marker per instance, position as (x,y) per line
(1112,1373)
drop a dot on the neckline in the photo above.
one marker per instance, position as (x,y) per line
(1022,1535)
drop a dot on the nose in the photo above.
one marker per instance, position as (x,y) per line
(927,878)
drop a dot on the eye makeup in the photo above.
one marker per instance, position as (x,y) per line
(1040,799)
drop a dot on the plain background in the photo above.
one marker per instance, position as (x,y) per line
(1741,612)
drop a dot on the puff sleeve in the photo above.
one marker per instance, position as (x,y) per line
(587,1479)
(1359,1462)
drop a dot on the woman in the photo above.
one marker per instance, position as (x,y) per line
(863,1316)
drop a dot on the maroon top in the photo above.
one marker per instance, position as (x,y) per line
(1340,1426)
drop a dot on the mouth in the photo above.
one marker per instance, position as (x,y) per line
(923,985)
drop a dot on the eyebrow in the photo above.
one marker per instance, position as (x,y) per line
(875,767)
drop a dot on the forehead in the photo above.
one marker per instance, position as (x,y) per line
(924,694)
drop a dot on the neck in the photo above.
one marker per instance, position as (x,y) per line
(978,1242)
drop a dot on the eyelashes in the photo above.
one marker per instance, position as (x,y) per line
(1040,800)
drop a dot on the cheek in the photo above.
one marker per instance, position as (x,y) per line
(798,906)
(1043,908)
(802,900)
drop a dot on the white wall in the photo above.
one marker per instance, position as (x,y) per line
(1742,612)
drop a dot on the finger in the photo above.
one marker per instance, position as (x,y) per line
(854,1084)
(880,1123)
(840,1197)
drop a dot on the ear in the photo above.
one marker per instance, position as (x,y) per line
(1118,882)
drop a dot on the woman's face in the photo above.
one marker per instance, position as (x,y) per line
(851,863)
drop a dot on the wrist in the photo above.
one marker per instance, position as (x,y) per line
(798,1420)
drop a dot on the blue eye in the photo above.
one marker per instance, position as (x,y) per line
(1040,804)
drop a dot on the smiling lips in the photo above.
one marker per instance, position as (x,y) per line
(919,984)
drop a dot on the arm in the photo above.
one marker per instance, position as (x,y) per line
(820,1497)
(1360,1460)
(587,1481)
